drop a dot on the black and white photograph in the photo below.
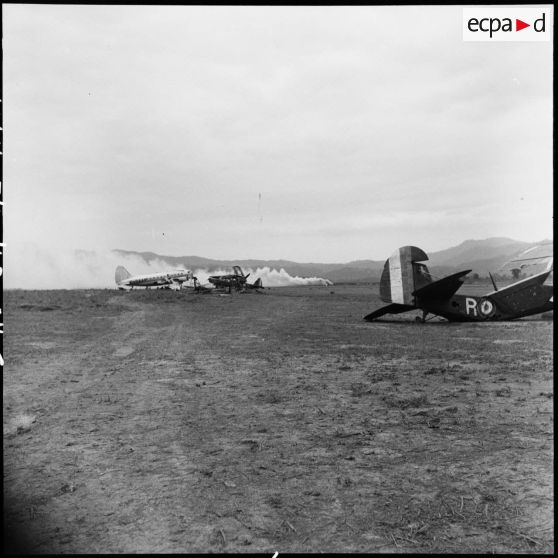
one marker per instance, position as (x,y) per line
(277,279)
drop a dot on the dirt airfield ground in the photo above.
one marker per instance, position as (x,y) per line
(172,422)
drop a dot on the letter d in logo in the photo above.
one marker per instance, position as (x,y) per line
(540,28)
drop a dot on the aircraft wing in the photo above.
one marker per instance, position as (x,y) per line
(538,279)
(522,294)
(389,309)
(442,289)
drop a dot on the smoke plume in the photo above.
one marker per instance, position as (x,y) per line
(273,278)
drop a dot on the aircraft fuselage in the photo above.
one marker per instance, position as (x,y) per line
(466,308)
(155,280)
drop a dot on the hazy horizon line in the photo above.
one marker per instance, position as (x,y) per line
(537,242)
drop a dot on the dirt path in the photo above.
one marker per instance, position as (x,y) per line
(157,422)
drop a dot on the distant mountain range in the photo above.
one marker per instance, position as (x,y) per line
(481,256)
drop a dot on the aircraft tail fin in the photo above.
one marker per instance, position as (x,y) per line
(258,283)
(121,274)
(402,276)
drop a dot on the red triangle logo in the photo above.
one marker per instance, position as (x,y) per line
(519,25)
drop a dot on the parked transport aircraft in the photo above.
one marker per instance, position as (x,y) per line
(165,279)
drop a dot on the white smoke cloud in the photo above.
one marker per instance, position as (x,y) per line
(273,278)
(31,267)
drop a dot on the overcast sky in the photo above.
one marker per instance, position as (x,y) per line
(322,134)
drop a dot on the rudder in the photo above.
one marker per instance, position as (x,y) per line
(402,275)
(121,274)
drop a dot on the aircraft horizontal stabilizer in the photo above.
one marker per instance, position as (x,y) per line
(442,289)
(389,309)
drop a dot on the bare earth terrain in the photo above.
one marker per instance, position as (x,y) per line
(172,422)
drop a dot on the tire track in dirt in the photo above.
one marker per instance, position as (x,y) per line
(149,509)
(94,391)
